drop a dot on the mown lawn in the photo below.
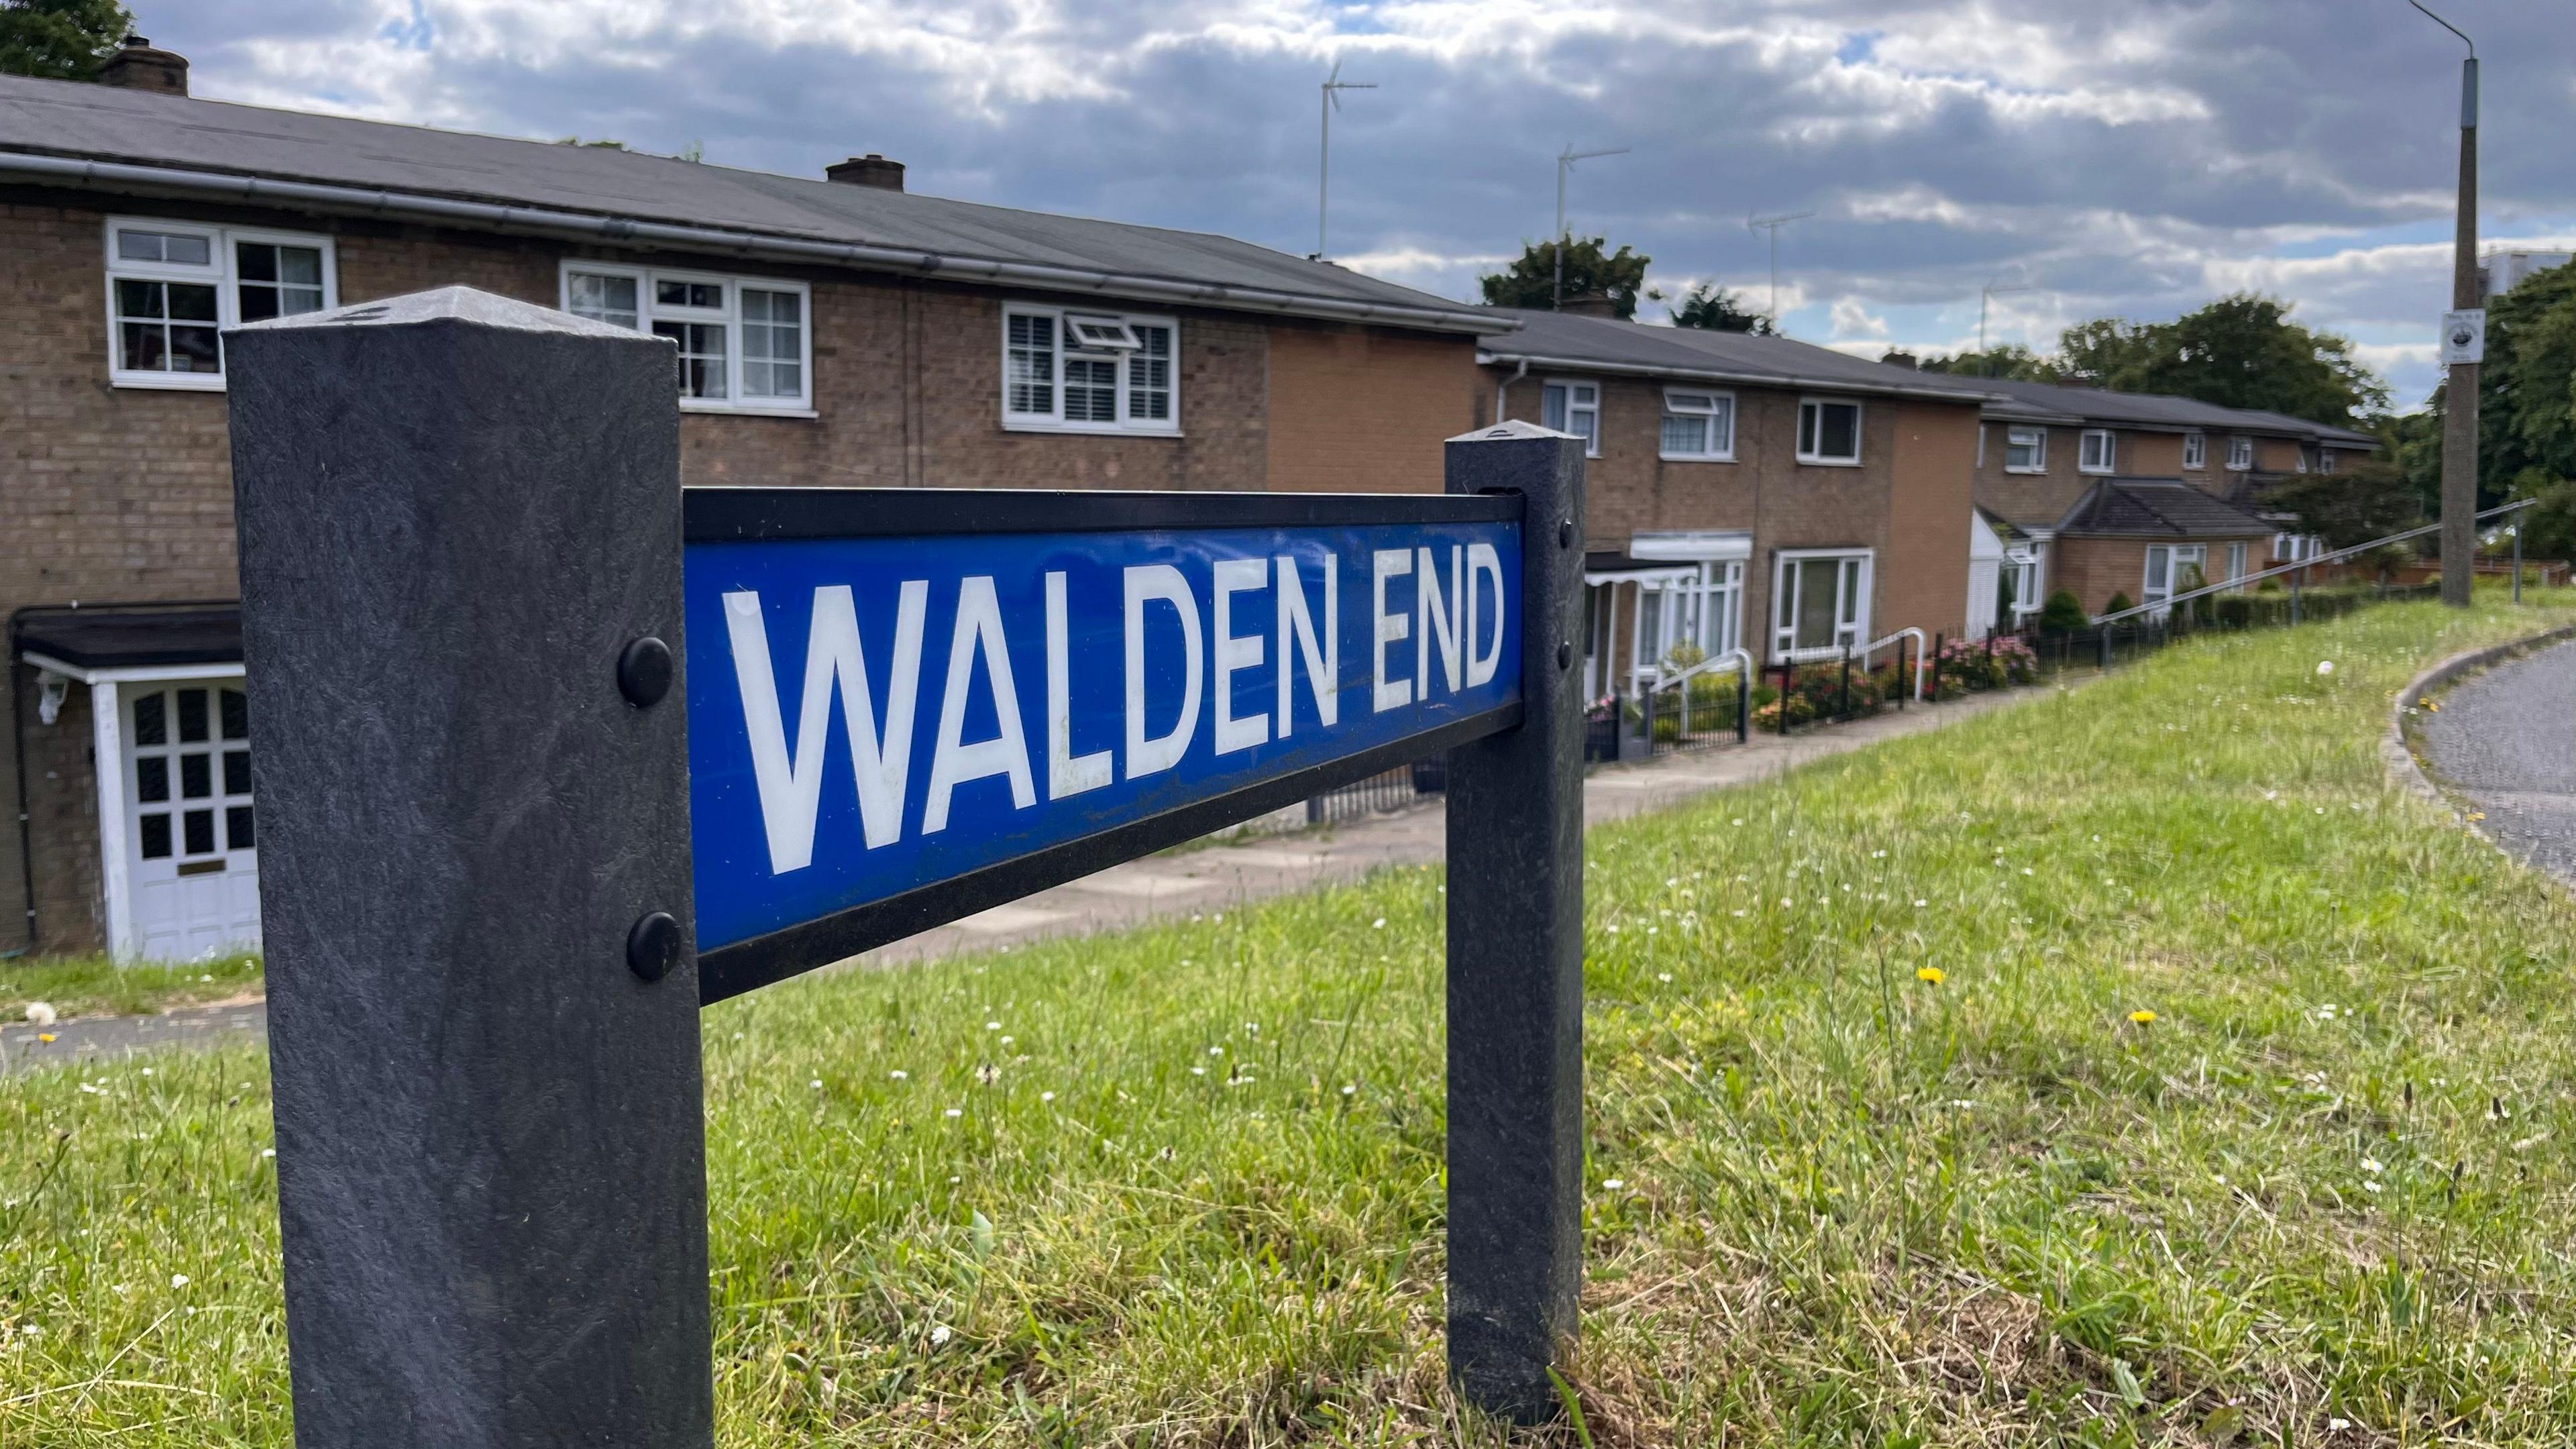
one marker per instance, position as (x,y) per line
(97,986)
(1182,1187)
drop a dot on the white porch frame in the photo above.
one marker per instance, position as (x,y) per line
(107,743)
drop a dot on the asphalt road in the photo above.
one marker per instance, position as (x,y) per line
(2507,741)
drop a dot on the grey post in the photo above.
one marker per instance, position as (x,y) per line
(458,514)
(1516,961)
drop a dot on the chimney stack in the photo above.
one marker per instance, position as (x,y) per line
(1899,357)
(137,66)
(869,170)
(1593,303)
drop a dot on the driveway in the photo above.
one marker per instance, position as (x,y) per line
(2506,740)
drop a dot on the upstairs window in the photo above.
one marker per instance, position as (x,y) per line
(2025,450)
(174,286)
(2095,452)
(2240,453)
(1699,426)
(1828,431)
(1574,407)
(1089,372)
(2195,451)
(745,344)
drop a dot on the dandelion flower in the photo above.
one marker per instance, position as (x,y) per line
(1931,975)
(2143,1017)
(49,1036)
(41,1013)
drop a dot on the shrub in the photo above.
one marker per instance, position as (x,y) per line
(2062,614)
(1973,664)
(1816,692)
(2118,603)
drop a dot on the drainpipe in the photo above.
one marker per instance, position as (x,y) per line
(1503,388)
(18,751)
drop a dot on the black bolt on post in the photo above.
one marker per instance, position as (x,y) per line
(1516,963)
(460,566)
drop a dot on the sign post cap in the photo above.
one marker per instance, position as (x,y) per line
(1506,432)
(453,304)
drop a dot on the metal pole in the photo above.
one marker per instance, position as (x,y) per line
(1515,1153)
(2460,388)
(1744,703)
(1564,162)
(2295,580)
(1324,164)
(2517,560)
(460,563)
(1937,641)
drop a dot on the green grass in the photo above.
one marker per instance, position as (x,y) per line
(1182,1187)
(97,986)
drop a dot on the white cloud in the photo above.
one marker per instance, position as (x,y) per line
(1852,320)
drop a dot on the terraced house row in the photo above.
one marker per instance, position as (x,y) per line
(843,331)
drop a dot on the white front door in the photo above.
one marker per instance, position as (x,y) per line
(192,861)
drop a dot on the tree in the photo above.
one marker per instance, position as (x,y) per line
(2241,351)
(2009,360)
(1716,310)
(2526,404)
(2370,499)
(60,39)
(1590,266)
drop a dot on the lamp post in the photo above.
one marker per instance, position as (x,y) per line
(1333,86)
(2460,388)
(1565,160)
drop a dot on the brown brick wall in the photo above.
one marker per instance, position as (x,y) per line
(2097,568)
(1917,461)
(2032,500)
(1353,410)
(111,494)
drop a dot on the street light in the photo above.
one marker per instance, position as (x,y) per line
(1772,224)
(2460,387)
(1565,160)
(1983,300)
(1333,86)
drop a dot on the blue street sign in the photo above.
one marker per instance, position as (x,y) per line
(875,717)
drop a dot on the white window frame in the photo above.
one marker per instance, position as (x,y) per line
(2301,453)
(2038,448)
(2237,565)
(2177,557)
(1720,404)
(1567,386)
(2029,566)
(1851,616)
(1067,349)
(728,315)
(2240,453)
(2195,452)
(1860,419)
(2327,459)
(222,272)
(2110,442)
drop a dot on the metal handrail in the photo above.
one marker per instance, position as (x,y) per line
(1709,665)
(1919,655)
(2238,585)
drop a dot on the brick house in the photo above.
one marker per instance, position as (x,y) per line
(2043,447)
(1747,491)
(830,331)
(2148,539)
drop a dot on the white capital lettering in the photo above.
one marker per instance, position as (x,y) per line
(791,794)
(1323,667)
(1067,773)
(1147,754)
(953,763)
(1385,693)
(1483,563)
(1439,621)
(1233,652)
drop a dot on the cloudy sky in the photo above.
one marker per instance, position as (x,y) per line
(2128,157)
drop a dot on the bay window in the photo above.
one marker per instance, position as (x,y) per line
(1089,372)
(172,287)
(745,344)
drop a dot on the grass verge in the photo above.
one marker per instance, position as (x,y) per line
(97,986)
(2133,1066)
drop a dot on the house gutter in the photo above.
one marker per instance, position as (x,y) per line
(1488,357)
(542,221)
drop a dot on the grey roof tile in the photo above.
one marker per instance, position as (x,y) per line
(2157,508)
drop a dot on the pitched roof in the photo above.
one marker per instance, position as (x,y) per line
(2157,508)
(143,142)
(2060,403)
(1606,344)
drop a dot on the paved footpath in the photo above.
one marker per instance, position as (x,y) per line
(1206,878)
(2507,740)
